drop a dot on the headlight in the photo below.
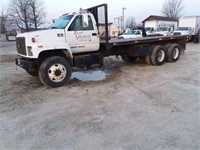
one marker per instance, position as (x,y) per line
(33,39)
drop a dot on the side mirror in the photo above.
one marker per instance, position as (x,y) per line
(85,20)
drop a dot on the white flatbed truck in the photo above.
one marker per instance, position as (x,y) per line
(74,41)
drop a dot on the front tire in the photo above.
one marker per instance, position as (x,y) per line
(55,71)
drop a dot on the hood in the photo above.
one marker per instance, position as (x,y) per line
(44,35)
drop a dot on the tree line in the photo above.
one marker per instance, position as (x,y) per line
(24,14)
(29,14)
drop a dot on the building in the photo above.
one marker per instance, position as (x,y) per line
(160,21)
(112,30)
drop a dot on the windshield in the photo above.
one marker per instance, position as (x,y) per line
(182,29)
(148,29)
(133,31)
(162,29)
(130,32)
(62,22)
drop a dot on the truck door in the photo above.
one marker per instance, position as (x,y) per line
(82,39)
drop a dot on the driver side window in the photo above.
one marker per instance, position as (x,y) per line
(77,24)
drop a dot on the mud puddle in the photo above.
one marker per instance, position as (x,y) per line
(94,75)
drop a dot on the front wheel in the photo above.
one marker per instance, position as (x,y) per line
(55,71)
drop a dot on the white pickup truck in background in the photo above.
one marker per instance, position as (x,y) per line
(131,34)
(164,31)
(149,31)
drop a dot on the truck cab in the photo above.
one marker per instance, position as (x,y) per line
(187,31)
(164,31)
(51,54)
(183,31)
(74,33)
(149,31)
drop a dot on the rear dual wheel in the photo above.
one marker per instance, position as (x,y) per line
(148,56)
(156,55)
(173,52)
(159,54)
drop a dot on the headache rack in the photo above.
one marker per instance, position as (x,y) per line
(100,13)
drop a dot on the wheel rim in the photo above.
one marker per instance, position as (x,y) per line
(57,72)
(161,55)
(175,53)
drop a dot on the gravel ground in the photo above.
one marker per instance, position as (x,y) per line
(136,107)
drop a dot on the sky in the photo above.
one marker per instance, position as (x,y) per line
(139,9)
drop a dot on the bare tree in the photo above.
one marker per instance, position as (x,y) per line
(37,13)
(26,13)
(130,22)
(3,20)
(172,8)
(19,14)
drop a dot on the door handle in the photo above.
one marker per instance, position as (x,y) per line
(94,34)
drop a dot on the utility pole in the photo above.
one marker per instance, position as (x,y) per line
(119,25)
(115,21)
(123,18)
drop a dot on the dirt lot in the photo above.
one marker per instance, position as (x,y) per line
(137,107)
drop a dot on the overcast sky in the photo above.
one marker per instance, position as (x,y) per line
(139,9)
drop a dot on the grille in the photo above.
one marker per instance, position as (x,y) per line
(21,46)
(176,33)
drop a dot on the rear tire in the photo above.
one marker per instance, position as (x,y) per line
(55,71)
(128,59)
(148,56)
(173,53)
(148,60)
(158,55)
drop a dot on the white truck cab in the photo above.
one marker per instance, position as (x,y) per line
(187,31)
(75,32)
(164,31)
(50,53)
(190,27)
(149,31)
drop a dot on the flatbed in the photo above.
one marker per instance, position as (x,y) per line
(139,47)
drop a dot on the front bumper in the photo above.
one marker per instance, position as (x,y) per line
(27,64)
